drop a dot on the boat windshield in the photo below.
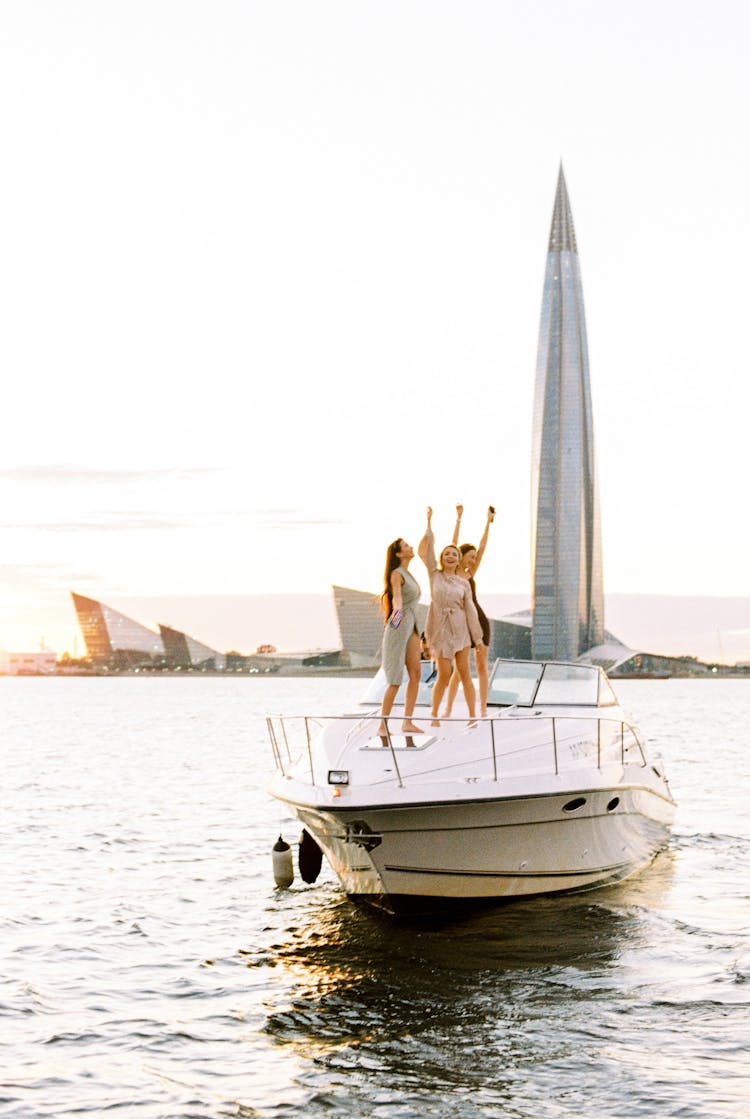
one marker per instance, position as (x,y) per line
(569,683)
(514,682)
(526,683)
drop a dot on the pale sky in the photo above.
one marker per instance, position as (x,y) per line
(271,276)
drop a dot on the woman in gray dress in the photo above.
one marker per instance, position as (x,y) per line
(401,641)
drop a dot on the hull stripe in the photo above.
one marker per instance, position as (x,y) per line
(508,873)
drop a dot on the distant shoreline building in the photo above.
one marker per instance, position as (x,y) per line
(116,642)
(40,663)
(361,625)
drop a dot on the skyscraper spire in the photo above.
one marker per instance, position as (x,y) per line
(567,583)
(562,236)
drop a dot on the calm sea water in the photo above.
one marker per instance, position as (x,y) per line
(151,969)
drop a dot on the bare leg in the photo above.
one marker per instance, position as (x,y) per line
(387,706)
(480,654)
(413,662)
(464,670)
(443,676)
(452,689)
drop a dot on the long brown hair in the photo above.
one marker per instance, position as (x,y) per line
(391,563)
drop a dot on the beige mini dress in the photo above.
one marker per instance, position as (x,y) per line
(452,620)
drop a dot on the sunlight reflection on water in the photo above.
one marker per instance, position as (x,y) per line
(150,965)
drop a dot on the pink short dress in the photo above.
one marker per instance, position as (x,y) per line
(452,619)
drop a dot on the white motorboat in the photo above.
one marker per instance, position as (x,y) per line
(553,791)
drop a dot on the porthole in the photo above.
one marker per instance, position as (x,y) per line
(613,804)
(573,805)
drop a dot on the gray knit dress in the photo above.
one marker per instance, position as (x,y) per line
(396,640)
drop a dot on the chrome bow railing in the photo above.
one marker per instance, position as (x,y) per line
(292,737)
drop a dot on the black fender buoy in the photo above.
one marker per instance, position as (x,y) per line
(310,857)
(283,867)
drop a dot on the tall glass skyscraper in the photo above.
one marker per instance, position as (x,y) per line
(567,583)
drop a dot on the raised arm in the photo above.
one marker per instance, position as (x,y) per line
(426,549)
(483,541)
(457,529)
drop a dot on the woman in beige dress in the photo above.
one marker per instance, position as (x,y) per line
(401,640)
(471,558)
(452,620)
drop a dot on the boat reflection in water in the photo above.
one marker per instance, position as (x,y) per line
(484,1005)
(553,792)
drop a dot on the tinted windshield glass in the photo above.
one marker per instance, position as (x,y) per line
(569,683)
(514,682)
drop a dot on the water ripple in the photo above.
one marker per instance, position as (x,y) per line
(152,970)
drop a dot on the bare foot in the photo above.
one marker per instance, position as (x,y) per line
(435,723)
(408,727)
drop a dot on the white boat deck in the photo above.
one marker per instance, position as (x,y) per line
(553,790)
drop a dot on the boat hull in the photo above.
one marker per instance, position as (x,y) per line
(483,850)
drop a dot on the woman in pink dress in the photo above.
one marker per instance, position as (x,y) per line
(452,620)
(471,558)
